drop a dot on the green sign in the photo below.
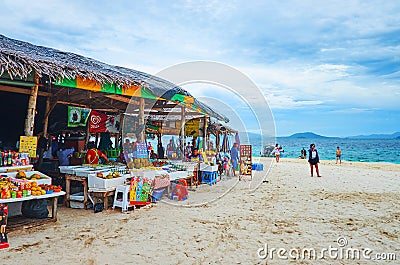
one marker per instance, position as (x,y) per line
(77,116)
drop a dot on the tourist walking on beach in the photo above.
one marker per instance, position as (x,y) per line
(338,155)
(235,158)
(277,152)
(313,159)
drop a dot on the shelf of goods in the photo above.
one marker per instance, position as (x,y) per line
(246,159)
(84,171)
(28,198)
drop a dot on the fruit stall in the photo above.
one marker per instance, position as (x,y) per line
(24,199)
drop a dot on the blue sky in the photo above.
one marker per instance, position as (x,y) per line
(331,67)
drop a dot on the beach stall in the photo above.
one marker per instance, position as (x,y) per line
(96,93)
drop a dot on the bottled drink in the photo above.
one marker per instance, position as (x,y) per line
(9,159)
(5,159)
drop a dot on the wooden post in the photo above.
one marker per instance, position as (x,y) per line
(87,135)
(30,116)
(183,120)
(119,134)
(46,117)
(141,137)
(205,147)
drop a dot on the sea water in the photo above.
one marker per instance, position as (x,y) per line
(360,150)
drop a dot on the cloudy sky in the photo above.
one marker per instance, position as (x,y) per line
(331,68)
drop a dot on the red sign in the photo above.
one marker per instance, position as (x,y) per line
(100,122)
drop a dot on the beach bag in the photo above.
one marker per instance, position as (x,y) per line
(35,209)
(98,207)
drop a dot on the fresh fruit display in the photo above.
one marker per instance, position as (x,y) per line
(50,188)
(140,163)
(21,187)
(34,177)
(21,175)
(110,175)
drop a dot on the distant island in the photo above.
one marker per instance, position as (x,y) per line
(311,135)
(306,135)
(395,135)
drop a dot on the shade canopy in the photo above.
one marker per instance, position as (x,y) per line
(19,60)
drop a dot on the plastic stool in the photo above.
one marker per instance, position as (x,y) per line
(209,177)
(124,202)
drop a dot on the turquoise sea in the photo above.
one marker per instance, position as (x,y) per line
(360,150)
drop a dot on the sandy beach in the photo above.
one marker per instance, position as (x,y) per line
(357,202)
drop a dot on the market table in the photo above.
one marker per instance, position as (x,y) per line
(103,194)
(17,221)
(84,181)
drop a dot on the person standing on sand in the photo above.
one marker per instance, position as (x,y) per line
(277,152)
(313,159)
(338,155)
(235,158)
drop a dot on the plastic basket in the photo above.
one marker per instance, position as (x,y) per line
(113,153)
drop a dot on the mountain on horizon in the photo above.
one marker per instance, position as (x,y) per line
(395,135)
(306,135)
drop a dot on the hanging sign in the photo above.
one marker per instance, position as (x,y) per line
(100,122)
(192,127)
(77,116)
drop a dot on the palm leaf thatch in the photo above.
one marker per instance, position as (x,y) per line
(20,59)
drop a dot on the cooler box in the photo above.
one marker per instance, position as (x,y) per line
(106,184)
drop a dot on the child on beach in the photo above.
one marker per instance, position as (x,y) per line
(277,153)
(338,155)
(313,159)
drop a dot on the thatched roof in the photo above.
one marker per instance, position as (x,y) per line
(19,59)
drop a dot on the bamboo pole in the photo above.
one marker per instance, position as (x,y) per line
(87,135)
(30,116)
(141,137)
(183,120)
(121,126)
(46,117)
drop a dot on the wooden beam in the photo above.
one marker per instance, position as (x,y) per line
(123,99)
(71,103)
(30,116)
(106,110)
(22,91)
